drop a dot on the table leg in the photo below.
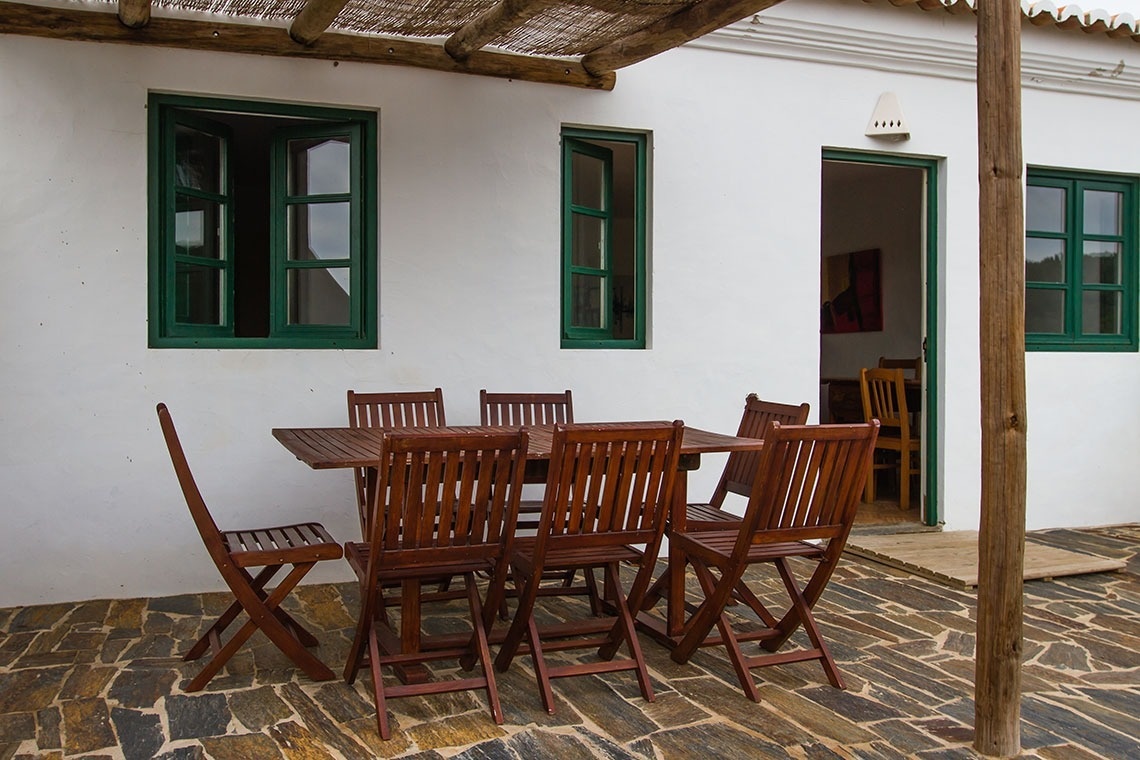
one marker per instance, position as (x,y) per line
(675,593)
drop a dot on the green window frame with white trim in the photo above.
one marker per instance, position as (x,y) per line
(262,221)
(1081,290)
(604,230)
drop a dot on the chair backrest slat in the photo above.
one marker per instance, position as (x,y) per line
(525,409)
(444,496)
(608,484)
(740,469)
(808,483)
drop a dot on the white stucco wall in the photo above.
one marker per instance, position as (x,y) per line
(468,283)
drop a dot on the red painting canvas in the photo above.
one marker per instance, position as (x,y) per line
(852,293)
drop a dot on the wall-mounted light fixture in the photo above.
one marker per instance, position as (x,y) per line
(887,121)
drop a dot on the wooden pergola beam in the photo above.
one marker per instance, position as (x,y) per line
(496,20)
(314,19)
(93,26)
(134,13)
(670,32)
(1001,234)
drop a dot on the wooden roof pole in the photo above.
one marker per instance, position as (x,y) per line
(496,20)
(670,32)
(134,13)
(314,19)
(1001,541)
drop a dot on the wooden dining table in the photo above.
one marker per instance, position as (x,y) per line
(329,448)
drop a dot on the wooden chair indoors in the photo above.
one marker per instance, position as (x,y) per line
(884,399)
(236,553)
(607,494)
(807,490)
(446,506)
(914,366)
(399,409)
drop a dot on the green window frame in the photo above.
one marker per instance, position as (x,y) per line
(262,221)
(604,190)
(1081,289)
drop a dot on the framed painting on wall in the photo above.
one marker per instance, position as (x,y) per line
(852,292)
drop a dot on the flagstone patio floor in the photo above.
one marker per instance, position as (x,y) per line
(102,679)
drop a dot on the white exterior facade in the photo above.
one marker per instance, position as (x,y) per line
(469,273)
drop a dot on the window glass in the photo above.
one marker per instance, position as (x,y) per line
(589,241)
(1045,311)
(1045,209)
(589,181)
(198,294)
(1103,212)
(320,231)
(1045,260)
(198,159)
(319,296)
(319,166)
(1102,262)
(589,304)
(1101,312)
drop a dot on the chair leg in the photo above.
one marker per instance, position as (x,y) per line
(703,620)
(624,629)
(261,616)
(728,636)
(479,639)
(257,584)
(904,480)
(810,627)
(378,685)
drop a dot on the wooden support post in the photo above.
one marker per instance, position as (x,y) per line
(134,13)
(1001,540)
(314,19)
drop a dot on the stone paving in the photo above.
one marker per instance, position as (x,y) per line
(102,679)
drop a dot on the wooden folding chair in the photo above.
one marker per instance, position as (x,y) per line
(740,469)
(445,506)
(529,409)
(913,366)
(607,494)
(236,553)
(807,489)
(884,399)
(395,410)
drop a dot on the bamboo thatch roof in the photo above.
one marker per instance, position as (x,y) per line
(575,42)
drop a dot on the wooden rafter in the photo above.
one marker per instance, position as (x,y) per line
(498,19)
(670,32)
(314,19)
(93,26)
(134,13)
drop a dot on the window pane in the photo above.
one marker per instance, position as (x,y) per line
(1100,312)
(589,179)
(1045,209)
(319,165)
(1102,263)
(1102,212)
(589,242)
(587,301)
(319,296)
(197,295)
(1044,260)
(197,160)
(1044,311)
(198,228)
(320,231)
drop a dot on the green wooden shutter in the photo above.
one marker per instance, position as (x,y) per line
(587,230)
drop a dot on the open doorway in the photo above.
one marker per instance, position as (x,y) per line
(876,303)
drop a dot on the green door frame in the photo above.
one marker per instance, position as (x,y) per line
(930,404)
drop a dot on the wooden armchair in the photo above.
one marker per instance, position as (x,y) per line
(446,506)
(395,410)
(236,553)
(803,506)
(607,494)
(884,399)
